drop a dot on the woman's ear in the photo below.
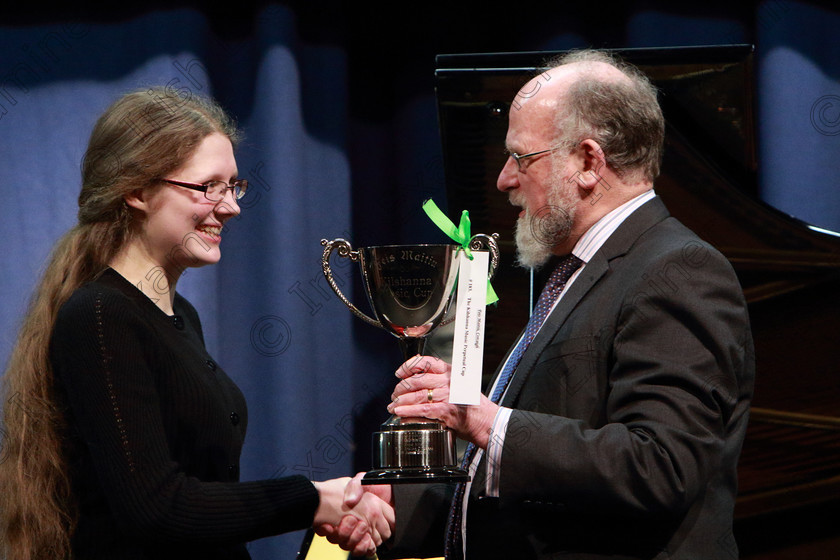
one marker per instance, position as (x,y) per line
(137,199)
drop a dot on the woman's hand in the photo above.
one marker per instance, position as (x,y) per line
(358,523)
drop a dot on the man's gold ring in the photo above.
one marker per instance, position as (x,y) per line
(429,394)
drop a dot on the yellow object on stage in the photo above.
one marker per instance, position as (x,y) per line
(322,549)
(319,548)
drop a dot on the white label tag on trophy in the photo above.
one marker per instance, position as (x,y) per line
(468,341)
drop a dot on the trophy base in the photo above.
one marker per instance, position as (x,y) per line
(415,475)
(412,450)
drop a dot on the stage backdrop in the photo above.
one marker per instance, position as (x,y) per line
(343,148)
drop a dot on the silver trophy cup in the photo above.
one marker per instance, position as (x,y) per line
(409,288)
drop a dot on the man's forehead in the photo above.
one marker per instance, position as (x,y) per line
(530,125)
(536,104)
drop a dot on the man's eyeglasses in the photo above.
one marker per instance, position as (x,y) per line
(214,190)
(519,158)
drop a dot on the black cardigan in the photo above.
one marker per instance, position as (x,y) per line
(155,433)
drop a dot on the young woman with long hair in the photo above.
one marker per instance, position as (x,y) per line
(121,434)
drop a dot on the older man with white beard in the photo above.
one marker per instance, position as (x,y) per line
(613,427)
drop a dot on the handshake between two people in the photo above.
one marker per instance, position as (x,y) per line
(365,518)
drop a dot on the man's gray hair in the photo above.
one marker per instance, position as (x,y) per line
(624,118)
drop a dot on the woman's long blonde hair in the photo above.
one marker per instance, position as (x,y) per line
(139,139)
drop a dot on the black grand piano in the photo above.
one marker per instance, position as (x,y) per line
(789,270)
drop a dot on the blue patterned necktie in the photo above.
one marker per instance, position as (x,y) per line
(553,289)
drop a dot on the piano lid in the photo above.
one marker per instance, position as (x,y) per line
(790,270)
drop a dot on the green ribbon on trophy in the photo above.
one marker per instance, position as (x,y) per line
(459,234)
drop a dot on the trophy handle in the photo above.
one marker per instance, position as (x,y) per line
(345,250)
(476,244)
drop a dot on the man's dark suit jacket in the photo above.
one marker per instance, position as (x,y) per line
(630,408)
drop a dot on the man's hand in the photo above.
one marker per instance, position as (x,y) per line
(368,519)
(357,521)
(424,391)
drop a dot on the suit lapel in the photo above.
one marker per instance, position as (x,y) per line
(582,284)
(619,243)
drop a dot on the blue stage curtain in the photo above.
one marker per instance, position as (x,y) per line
(799,110)
(316,378)
(797,93)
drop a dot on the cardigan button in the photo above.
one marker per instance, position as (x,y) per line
(233,471)
(234,418)
(211,364)
(178,321)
